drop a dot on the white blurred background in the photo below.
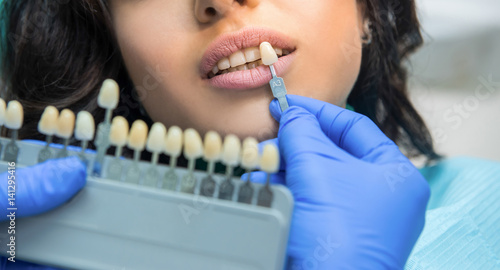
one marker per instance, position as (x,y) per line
(455,76)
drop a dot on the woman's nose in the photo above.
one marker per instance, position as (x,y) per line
(207,11)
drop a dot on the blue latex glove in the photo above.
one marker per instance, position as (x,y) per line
(41,188)
(359,202)
(44,186)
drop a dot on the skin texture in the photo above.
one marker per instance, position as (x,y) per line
(162,43)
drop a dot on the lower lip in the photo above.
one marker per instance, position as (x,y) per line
(252,78)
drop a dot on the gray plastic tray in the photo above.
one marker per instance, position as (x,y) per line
(117,225)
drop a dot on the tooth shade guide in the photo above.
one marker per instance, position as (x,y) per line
(229,192)
(131,195)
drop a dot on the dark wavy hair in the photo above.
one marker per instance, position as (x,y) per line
(58,52)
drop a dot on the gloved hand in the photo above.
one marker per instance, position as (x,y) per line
(359,202)
(42,187)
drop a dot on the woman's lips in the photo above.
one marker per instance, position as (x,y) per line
(229,43)
(252,78)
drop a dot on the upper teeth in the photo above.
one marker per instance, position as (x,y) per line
(237,60)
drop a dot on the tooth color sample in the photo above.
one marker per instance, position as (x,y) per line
(270,159)
(174,141)
(14,115)
(65,124)
(109,94)
(212,146)
(119,131)
(85,126)
(48,121)
(138,135)
(250,153)
(268,54)
(156,139)
(231,150)
(193,146)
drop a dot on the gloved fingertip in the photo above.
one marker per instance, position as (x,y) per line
(275,109)
(49,184)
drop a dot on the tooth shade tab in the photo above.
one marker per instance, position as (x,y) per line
(109,94)
(268,54)
(174,141)
(156,139)
(231,150)
(250,154)
(48,121)
(193,146)
(65,124)
(119,131)
(2,111)
(270,159)
(212,146)
(85,126)
(14,115)
(138,135)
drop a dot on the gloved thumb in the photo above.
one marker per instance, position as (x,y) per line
(44,186)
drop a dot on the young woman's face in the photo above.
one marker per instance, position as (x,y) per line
(169,46)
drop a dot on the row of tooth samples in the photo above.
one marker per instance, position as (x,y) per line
(64,125)
(157,141)
(11,115)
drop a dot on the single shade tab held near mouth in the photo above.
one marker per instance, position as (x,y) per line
(269,57)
